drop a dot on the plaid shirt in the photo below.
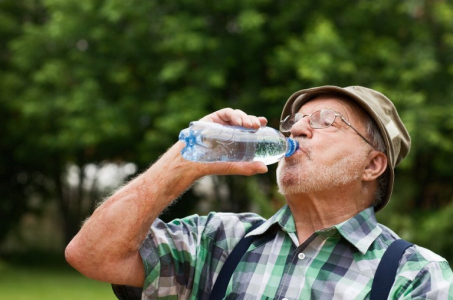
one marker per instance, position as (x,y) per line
(183,258)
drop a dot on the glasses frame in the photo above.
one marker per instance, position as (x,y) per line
(298,116)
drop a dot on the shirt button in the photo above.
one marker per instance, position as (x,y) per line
(301,255)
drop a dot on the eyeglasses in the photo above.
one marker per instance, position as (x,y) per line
(320,119)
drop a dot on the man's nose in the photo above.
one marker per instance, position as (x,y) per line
(302,128)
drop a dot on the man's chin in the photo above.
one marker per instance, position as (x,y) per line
(289,185)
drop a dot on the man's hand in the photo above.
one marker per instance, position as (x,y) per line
(234,117)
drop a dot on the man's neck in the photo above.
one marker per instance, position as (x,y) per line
(321,210)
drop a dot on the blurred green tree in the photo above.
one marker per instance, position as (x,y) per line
(91,81)
(17,176)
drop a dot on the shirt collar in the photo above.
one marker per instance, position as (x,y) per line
(284,218)
(361,230)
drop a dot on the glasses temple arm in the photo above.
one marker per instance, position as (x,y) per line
(363,138)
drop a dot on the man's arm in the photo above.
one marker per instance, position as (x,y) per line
(106,247)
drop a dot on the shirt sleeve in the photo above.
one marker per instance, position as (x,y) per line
(434,281)
(187,254)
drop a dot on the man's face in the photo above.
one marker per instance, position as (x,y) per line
(327,158)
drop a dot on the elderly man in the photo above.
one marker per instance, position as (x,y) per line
(324,244)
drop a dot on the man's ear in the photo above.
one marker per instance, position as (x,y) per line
(377,164)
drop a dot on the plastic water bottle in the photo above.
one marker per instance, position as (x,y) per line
(212,142)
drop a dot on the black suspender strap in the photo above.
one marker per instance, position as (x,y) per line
(221,283)
(386,271)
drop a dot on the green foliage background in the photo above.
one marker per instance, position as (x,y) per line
(94,81)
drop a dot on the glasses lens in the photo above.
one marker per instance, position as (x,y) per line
(322,118)
(289,121)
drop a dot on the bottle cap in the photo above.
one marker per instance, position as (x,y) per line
(292,147)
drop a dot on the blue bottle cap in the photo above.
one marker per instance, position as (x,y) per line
(293,145)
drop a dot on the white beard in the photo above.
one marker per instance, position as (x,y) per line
(306,174)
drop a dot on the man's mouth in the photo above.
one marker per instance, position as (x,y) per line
(299,154)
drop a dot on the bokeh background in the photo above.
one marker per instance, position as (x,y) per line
(93,91)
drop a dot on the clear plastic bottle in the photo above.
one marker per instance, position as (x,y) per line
(212,142)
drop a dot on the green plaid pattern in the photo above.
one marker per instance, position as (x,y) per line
(183,258)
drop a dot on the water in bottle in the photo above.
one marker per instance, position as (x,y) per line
(212,142)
